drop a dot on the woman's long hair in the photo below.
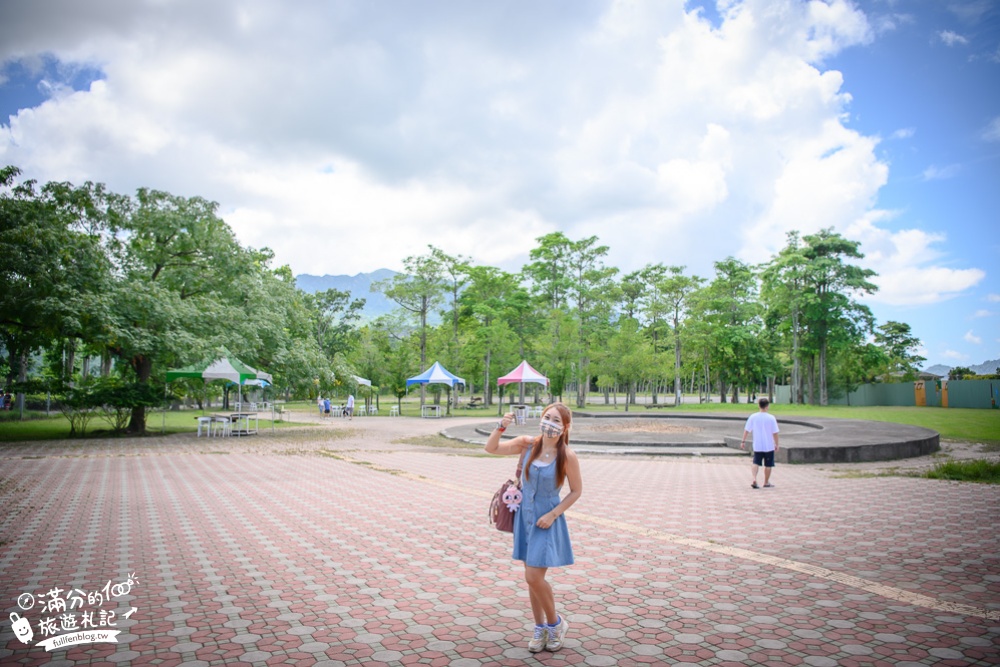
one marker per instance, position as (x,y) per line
(561,444)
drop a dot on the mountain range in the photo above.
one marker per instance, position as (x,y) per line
(985,368)
(359,287)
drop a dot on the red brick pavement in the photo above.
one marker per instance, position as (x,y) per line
(378,553)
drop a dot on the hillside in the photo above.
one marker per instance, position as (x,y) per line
(985,368)
(359,287)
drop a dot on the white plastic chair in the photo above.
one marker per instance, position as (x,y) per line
(207,423)
(394,411)
(360,411)
(222,426)
(373,410)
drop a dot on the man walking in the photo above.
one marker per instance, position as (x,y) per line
(764,429)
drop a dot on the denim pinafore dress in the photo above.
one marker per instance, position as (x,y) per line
(538,547)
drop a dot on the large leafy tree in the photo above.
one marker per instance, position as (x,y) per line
(417,290)
(594,294)
(677,291)
(899,347)
(783,291)
(178,295)
(832,285)
(730,309)
(336,317)
(627,359)
(454,276)
(52,273)
(485,304)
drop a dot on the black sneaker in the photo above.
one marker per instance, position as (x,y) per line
(754,486)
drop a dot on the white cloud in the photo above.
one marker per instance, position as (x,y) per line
(883,23)
(993,298)
(992,131)
(970,337)
(951,38)
(970,11)
(955,356)
(346,137)
(983,313)
(903,133)
(906,263)
(935,173)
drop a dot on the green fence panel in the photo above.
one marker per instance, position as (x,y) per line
(982,394)
(973,393)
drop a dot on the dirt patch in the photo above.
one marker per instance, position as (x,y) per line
(641,426)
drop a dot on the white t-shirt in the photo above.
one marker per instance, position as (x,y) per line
(762,428)
(350,400)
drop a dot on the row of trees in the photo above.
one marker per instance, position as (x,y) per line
(796,318)
(97,283)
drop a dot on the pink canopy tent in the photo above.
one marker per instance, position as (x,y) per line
(523,373)
(520,375)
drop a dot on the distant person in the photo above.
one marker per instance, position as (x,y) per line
(326,406)
(319,405)
(764,428)
(349,410)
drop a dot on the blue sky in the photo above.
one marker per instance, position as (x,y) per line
(346,136)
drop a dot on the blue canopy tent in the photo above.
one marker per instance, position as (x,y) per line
(436,374)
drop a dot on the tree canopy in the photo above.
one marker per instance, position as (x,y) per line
(150,281)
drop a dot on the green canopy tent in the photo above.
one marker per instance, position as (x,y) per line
(224,367)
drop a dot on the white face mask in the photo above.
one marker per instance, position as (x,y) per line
(551,429)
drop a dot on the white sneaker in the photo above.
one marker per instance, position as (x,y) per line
(540,639)
(556,641)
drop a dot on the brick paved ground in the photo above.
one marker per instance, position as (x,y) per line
(339,545)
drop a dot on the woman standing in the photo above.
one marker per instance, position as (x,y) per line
(541,536)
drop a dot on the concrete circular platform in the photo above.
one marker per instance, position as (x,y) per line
(813,440)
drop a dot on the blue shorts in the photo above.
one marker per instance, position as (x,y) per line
(767,458)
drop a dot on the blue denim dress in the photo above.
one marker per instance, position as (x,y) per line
(537,547)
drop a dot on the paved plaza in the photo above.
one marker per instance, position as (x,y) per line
(366,543)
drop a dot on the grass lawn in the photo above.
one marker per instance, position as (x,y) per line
(56,427)
(962,424)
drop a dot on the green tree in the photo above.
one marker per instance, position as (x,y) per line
(336,316)
(899,348)
(455,275)
(731,316)
(593,294)
(485,302)
(417,291)
(961,373)
(831,284)
(177,295)
(52,274)
(783,283)
(677,291)
(628,357)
